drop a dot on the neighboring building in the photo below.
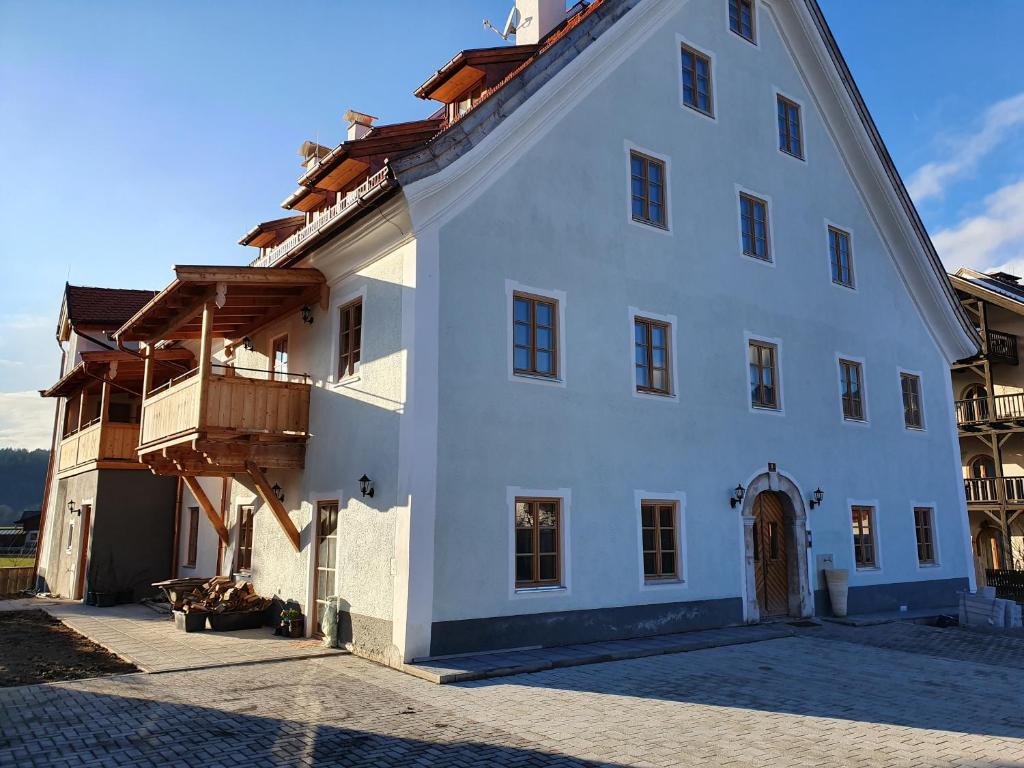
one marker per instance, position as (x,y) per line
(989,392)
(494,383)
(108,522)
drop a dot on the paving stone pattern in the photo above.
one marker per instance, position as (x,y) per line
(819,698)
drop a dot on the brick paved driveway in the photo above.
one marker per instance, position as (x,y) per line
(825,697)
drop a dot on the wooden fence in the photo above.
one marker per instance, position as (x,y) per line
(1009,584)
(15,580)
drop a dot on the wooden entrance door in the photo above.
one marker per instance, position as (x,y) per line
(326,559)
(771,567)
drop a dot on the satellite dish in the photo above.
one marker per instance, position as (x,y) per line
(510,24)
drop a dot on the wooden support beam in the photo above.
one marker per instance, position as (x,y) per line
(205,359)
(267,494)
(204,502)
(183,316)
(257,275)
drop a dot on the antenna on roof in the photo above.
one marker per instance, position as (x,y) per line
(510,25)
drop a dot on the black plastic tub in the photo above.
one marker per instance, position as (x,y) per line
(190,622)
(233,621)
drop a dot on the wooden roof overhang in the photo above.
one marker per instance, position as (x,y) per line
(469,66)
(347,163)
(244,299)
(122,368)
(987,293)
(270,233)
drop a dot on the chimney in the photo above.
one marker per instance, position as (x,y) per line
(311,152)
(358,124)
(1005,277)
(537,18)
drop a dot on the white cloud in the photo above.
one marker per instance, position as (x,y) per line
(25,322)
(965,153)
(993,239)
(26,420)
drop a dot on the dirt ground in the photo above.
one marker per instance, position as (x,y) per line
(37,648)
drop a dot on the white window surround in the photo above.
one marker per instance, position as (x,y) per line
(854,277)
(935,535)
(703,51)
(920,382)
(776,92)
(755,20)
(512,492)
(779,387)
(666,585)
(512,288)
(769,203)
(335,315)
(866,421)
(630,147)
(672,323)
(876,570)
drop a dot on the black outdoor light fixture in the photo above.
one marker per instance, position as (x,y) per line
(247,344)
(366,486)
(71,506)
(307,314)
(818,496)
(278,492)
(737,496)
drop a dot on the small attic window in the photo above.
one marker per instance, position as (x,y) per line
(463,103)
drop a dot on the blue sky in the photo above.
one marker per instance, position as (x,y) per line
(137,134)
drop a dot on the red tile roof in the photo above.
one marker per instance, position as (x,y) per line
(103,307)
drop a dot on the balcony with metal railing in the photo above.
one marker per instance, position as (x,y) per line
(1002,347)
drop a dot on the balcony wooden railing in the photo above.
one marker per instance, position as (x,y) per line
(985,490)
(98,441)
(322,219)
(1002,347)
(979,410)
(229,402)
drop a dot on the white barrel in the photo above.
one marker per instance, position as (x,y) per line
(838,580)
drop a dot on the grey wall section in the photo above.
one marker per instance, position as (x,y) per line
(940,593)
(133,532)
(568,627)
(79,489)
(368,635)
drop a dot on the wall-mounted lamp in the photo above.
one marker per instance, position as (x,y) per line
(818,495)
(247,344)
(71,506)
(279,492)
(307,314)
(737,496)
(366,486)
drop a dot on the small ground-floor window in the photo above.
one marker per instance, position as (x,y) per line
(865,551)
(924,526)
(538,543)
(658,521)
(244,538)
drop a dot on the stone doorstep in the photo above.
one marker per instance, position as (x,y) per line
(497,664)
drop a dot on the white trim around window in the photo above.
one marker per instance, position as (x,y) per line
(339,300)
(683,42)
(779,386)
(770,205)
(667,585)
(875,570)
(936,544)
(512,288)
(671,322)
(840,358)
(513,492)
(854,275)
(630,148)
(776,92)
(920,394)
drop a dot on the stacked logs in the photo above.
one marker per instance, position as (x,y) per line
(221,594)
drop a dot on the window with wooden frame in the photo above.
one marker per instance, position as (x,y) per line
(244,538)
(840,257)
(192,544)
(279,359)
(754,226)
(865,550)
(741,18)
(350,338)
(534,335)
(764,388)
(696,80)
(538,543)
(658,521)
(913,417)
(924,527)
(651,343)
(647,183)
(851,379)
(791,139)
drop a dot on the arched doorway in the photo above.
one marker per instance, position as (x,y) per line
(982,469)
(988,544)
(975,403)
(777,578)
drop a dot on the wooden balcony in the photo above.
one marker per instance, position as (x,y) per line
(985,491)
(99,445)
(998,413)
(1002,348)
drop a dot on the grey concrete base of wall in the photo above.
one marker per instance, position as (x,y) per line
(570,627)
(366,636)
(882,598)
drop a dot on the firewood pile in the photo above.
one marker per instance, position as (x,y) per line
(221,594)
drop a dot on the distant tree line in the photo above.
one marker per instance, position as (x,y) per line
(22,477)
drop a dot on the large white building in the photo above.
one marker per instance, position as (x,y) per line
(594,333)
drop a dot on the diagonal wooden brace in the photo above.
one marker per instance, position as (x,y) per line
(267,494)
(204,502)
